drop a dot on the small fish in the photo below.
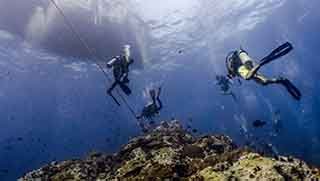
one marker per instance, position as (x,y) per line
(8,148)
(259,123)
(4,171)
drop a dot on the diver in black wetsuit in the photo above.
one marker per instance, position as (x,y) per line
(120,65)
(239,64)
(152,109)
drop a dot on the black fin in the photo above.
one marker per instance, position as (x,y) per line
(277,53)
(115,100)
(293,90)
(125,89)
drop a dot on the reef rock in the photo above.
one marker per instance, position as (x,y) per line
(169,152)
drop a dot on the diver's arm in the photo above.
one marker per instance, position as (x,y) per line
(111,62)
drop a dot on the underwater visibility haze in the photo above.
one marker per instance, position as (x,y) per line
(53,94)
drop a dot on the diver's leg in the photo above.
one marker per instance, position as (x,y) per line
(160,104)
(152,94)
(117,78)
(109,91)
(253,71)
(114,84)
(263,80)
(125,79)
(256,68)
(125,88)
(293,90)
(248,71)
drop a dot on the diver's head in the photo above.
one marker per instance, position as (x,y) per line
(232,63)
(126,50)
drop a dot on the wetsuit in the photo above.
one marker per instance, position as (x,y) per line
(240,64)
(152,109)
(120,65)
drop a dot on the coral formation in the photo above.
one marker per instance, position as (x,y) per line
(169,152)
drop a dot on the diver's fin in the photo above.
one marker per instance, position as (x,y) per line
(277,53)
(125,89)
(293,90)
(115,100)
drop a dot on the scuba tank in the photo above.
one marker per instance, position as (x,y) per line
(244,58)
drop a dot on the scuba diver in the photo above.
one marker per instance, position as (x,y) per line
(152,109)
(225,86)
(239,64)
(120,65)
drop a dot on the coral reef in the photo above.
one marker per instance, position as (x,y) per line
(169,152)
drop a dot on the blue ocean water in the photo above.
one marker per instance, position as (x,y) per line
(53,97)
